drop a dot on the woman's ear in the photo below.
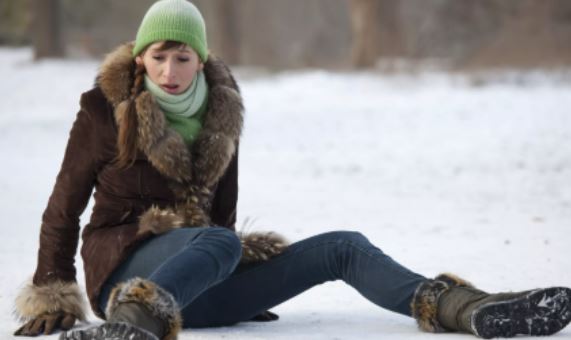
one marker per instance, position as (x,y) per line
(139,60)
(200,66)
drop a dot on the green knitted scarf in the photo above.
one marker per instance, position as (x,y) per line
(184,112)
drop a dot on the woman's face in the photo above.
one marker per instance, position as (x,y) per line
(173,69)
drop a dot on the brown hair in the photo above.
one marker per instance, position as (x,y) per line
(127,138)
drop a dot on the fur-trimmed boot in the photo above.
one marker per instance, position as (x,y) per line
(137,309)
(449,303)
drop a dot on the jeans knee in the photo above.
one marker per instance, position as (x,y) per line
(226,239)
(347,243)
(351,237)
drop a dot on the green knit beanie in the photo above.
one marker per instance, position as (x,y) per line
(176,20)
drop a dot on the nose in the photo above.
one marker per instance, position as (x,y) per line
(169,70)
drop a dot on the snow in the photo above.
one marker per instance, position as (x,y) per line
(442,173)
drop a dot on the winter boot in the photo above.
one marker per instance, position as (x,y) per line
(449,303)
(137,309)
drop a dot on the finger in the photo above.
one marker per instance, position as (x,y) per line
(37,327)
(265,316)
(272,316)
(29,329)
(52,322)
(19,331)
(24,329)
(67,322)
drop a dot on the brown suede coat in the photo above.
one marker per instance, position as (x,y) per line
(169,185)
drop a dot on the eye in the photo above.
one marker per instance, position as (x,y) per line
(183,59)
(158,57)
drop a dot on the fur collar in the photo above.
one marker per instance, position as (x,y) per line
(214,147)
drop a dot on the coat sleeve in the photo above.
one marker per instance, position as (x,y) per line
(54,284)
(223,212)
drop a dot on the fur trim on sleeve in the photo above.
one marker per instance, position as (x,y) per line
(160,302)
(159,221)
(33,301)
(261,246)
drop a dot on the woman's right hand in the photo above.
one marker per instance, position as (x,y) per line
(46,324)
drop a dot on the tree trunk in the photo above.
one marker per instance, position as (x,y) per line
(46,29)
(230,30)
(365,31)
(390,23)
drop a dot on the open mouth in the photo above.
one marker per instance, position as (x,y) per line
(170,88)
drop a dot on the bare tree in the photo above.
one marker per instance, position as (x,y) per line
(535,34)
(227,12)
(46,29)
(366,35)
(391,41)
(14,22)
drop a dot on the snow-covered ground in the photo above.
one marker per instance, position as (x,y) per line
(440,173)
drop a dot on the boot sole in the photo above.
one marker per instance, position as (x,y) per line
(540,312)
(109,331)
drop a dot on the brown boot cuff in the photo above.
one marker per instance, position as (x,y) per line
(160,302)
(424,303)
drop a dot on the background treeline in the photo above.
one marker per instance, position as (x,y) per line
(321,33)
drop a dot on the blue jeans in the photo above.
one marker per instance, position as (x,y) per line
(199,267)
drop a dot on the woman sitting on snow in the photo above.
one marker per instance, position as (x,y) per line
(158,139)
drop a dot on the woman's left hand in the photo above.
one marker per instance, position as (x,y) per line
(265,317)
(46,324)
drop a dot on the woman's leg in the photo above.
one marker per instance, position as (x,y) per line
(142,297)
(185,262)
(347,256)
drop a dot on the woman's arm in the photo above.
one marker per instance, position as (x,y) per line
(54,290)
(59,233)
